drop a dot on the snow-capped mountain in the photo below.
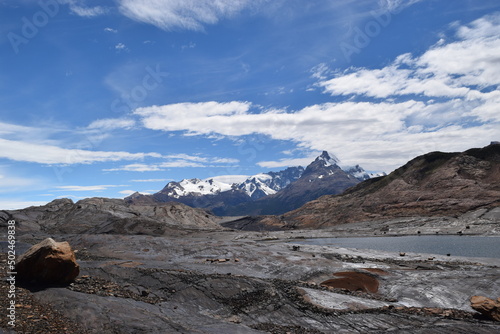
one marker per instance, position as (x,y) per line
(359,173)
(255,186)
(265,184)
(270,193)
(195,187)
(321,177)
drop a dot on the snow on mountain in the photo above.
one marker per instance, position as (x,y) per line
(329,160)
(265,184)
(195,187)
(255,186)
(359,173)
(262,184)
(258,186)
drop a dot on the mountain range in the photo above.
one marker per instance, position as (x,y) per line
(436,184)
(264,193)
(431,185)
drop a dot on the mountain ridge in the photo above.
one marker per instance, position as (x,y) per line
(433,184)
(263,193)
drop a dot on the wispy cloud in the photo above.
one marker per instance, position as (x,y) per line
(464,68)
(112,124)
(182,14)
(396,5)
(78,8)
(289,162)
(121,47)
(88,188)
(230,178)
(49,154)
(177,161)
(446,99)
(152,180)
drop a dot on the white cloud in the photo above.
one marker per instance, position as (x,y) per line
(182,14)
(377,135)
(88,188)
(107,29)
(121,47)
(152,180)
(182,116)
(461,68)
(136,168)
(157,167)
(112,124)
(49,154)
(445,99)
(230,178)
(396,5)
(79,9)
(40,134)
(176,161)
(288,162)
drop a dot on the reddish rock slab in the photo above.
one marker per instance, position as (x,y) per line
(353,281)
(48,262)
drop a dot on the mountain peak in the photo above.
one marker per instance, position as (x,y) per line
(328,159)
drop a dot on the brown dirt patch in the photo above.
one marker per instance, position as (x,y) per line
(353,281)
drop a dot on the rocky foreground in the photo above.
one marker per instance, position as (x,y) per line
(222,281)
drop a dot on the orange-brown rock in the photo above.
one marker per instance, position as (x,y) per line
(434,184)
(486,306)
(48,262)
(353,281)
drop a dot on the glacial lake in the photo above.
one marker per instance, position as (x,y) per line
(470,246)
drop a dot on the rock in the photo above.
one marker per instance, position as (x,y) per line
(353,281)
(48,262)
(486,306)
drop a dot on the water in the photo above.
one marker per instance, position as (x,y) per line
(470,246)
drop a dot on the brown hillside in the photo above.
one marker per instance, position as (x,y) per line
(434,184)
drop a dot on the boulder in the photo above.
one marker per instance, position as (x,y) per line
(486,306)
(48,262)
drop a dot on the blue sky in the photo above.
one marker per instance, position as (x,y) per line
(102,98)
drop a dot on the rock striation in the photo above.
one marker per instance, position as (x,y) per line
(48,262)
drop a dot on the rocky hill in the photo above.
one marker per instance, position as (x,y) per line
(110,216)
(434,184)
